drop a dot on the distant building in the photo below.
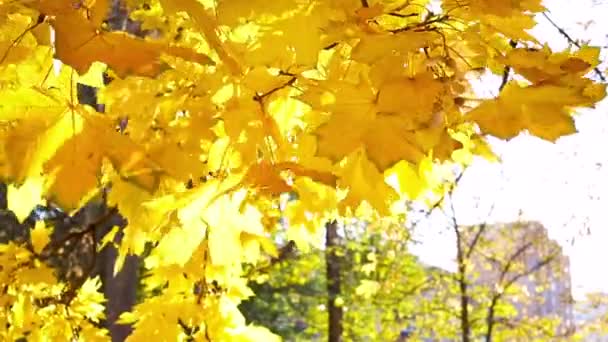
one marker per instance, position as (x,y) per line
(519,256)
(523,253)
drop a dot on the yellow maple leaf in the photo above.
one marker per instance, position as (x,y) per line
(373,47)
(144,213)
(284,44)
(124,53)
(79,160)
(178,245)
(402,121)
(234,12)
(364,183)
(403,95)
(10,52)
(43,121)
(208,26)
(406,179)
(40,236)
(228,217)
(544,66)
(510,18)
(542,110)
(306,216)
(367,288)
(266,178)
(387,138)
(24,198)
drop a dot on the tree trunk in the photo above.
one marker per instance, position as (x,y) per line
(3,199)
(465,324)
(490,319)
(120,290)
(332,260)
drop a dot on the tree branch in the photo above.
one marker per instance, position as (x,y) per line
(491,320)
(507,70)
(476,238)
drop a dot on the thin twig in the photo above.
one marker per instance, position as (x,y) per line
(52,247)
(507,71)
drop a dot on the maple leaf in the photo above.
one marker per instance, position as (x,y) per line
(402,95)
(96,141)
(544,66)
(385,124)
(52,129)
(364,183)
(509,18)
(209,27)
(542,110)
(40,236)
(266,178)
(41,112)
(408,180)
(227,222)
(367,288)
(305,215)
(23,199)
(373,47)
(283,44)
(124,53)
(249,127)
(16,44)
(234,12)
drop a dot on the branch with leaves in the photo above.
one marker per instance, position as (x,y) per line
(572,41)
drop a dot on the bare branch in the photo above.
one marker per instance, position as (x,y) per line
(507,267)
(480,231)
(471,247)
(491,320)
(90,228)
(531,270)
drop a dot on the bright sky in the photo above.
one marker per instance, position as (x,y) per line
(562,185)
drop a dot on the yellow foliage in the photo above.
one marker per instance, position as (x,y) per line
(543,110)
(34,303)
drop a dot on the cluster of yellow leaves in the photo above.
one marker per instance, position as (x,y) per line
(542,105)
(236,104)
(36,306)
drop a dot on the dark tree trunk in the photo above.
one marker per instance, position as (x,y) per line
(332,260)
(490,319)
(3,199)
(464,309)
(465,323)
(120,290)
